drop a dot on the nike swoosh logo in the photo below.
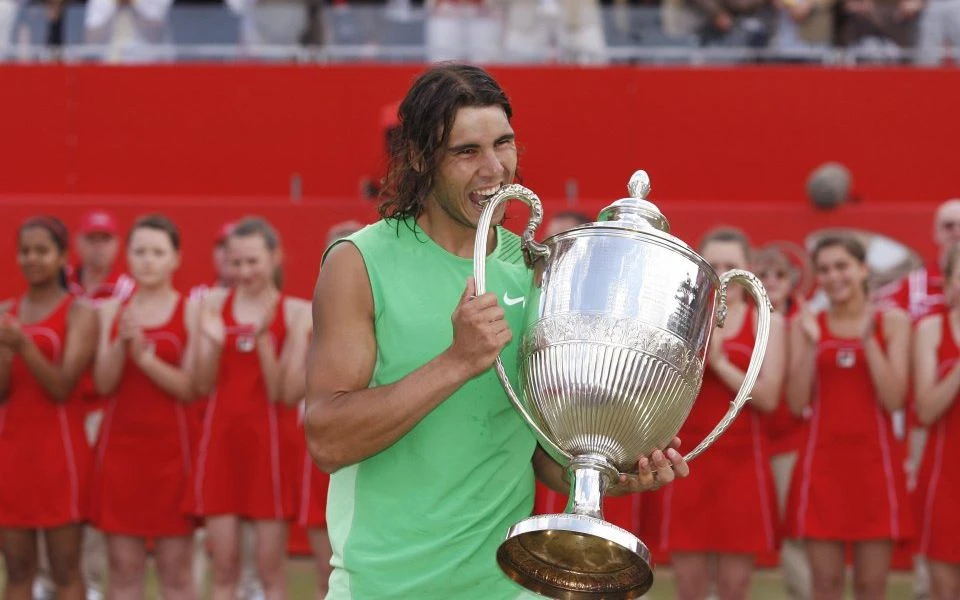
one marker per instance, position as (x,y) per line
(513,301)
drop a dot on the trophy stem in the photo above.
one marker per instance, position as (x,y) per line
(589,476)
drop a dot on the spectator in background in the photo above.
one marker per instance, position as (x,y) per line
(731,23)
(131,29)
(467,30)
(537,31)
(9,12)
(879,26)
(939,31)
(804,28)
(277,22)
(563,221)
(781,279)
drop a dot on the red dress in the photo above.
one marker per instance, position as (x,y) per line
(784,429)
(937,497)
(144,459)
(244,458)
(728,504)
(849,483)
(44,456)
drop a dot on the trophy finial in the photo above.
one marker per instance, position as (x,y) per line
(639,186)
(636,212)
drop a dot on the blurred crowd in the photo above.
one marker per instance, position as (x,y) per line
(497,31)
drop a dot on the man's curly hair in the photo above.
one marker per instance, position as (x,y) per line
(426,116)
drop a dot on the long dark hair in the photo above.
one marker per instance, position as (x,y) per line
(58,233)
(850,244)
(426,116)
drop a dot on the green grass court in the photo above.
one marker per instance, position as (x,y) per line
(766,584)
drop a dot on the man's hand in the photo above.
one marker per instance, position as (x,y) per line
(479,331)
(653,472)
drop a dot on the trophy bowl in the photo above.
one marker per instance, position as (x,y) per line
(611,358)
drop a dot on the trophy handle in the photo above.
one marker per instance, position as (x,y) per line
(532,250)
(755,288)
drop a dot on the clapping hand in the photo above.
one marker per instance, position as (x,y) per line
(212,326)
(11,335)
(130,333)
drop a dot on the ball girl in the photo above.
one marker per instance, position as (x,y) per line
(849,365)
(144,459)
(47,341)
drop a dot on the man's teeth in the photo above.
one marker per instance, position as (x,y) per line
(485,194)
(489,191)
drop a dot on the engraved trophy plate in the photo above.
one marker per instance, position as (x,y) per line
(611,359)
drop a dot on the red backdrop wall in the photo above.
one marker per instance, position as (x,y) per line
(208,143)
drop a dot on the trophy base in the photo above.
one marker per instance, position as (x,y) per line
(576,557)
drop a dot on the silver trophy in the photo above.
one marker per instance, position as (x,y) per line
(611,358)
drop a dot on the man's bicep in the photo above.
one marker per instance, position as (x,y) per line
(343,348)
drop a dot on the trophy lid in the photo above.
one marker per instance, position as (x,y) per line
(635,212)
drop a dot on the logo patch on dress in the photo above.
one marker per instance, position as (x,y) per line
(846,358)
(245,343)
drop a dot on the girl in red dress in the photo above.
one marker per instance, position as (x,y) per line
(848,366)
(728,508)
(143,465)
(782,278)
(246,464)
(936,356)
(47,341)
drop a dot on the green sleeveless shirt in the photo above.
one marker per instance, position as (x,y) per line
(422,519)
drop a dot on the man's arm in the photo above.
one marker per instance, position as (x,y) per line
(346,421)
